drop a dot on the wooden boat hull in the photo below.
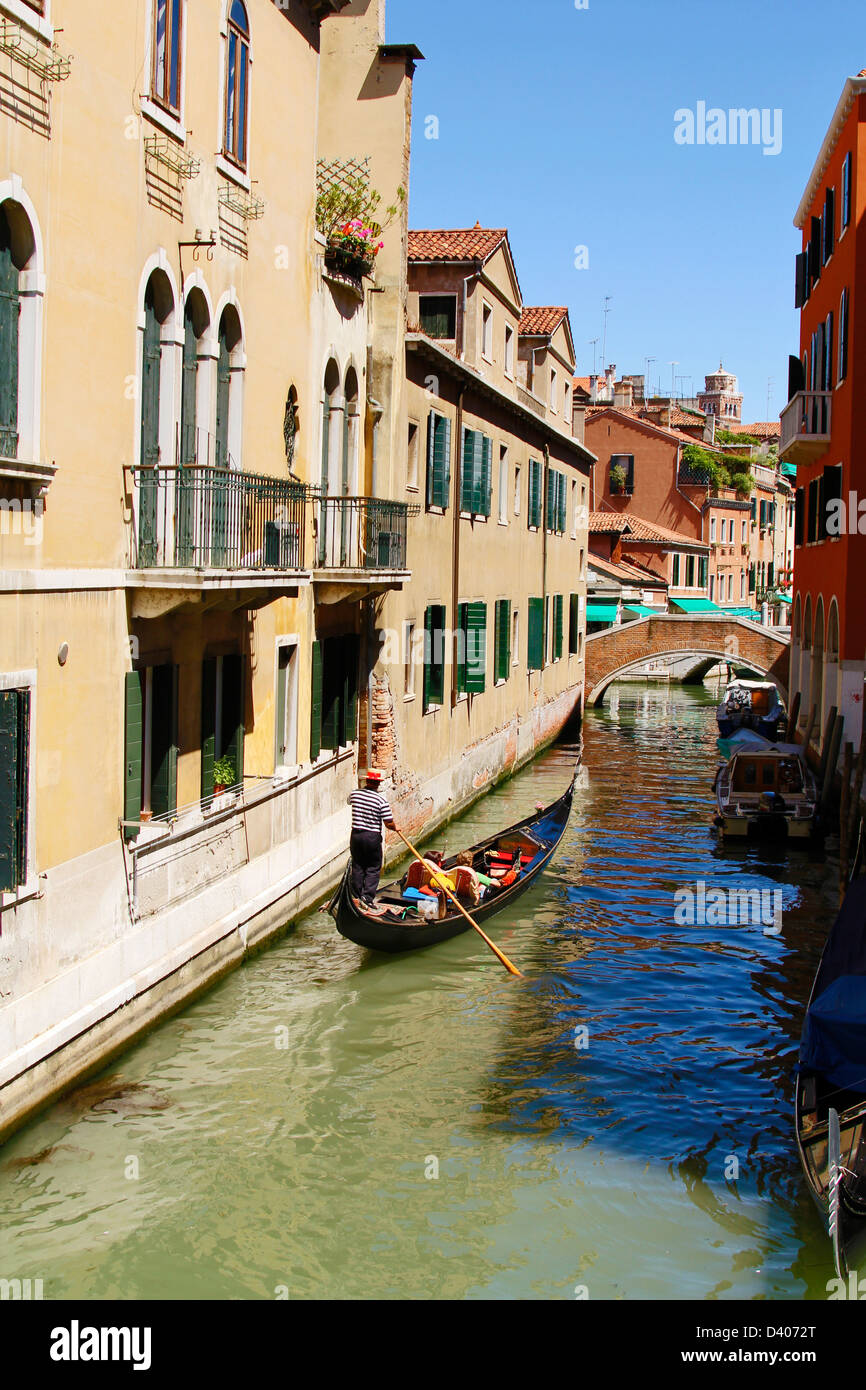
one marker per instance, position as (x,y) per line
(413,933)
(849,1239)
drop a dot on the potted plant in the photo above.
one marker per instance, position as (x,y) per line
(617,477)
(353,248)
(224,775)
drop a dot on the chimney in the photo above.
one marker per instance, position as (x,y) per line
(593,389)
(610,375)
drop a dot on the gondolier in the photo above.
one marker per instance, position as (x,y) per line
(370,811)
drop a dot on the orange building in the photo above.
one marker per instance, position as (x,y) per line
(822,422)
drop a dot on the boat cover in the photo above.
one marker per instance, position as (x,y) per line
(834,1033)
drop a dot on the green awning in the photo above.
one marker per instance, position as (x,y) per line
(601,612)
(784,598)
(749,613)
(641,609)
(789,470)
(695,605)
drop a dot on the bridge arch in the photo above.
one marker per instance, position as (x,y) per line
(717,638)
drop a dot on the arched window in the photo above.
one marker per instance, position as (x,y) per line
(158,307)
(229,433)
(796,627)
(833,632)
(237,94)
(351,438)
(10,305)
(807,625)
(196,324)
(167,51)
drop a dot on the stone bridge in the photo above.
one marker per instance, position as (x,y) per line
(714,636)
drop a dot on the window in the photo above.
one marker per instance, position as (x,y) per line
(713,529)
(412,457)
(573,624)
(515,637)
(286,724)
(574,512)
(827,368)
(150,780)
(744,532)
(222,717)
(553,391)
(487,332)
(476,473)
(237,94)
(434,656)
(742,584)
(502,639)
(730,586)
(334,696)
(566,400)
(438,460)
(517,490)
(10,310)
(829,223)
(472,648)
(558,603)
(438,315)
(622,473)
(703,564)
(509,350)
(843,336)
(816,244)
(831,494)
(581,568)
(712,586)
(556,501)
(814,519)
(675,571)
(503,484)
(799,515)
(533,509)
(690,571)
(535,638)
(167,53)
(846,191)
(408,661)
(14,787)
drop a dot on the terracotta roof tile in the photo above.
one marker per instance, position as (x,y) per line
(541,320)
(459,244)
(638,529)
(625,570)
(771,429)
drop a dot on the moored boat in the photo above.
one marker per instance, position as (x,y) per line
(398,921)
(831,1084)
(766,790)
(751,705)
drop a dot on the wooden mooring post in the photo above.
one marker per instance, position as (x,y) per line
(847,763)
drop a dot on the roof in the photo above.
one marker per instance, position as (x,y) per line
(771,429)
(639,530)
(636,413)
(459,244)
(541,321)
(678,417)
(582,383)
(623,570)
(852,89)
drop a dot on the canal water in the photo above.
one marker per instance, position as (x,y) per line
(331,1124)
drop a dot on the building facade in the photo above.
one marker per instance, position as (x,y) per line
(822,424)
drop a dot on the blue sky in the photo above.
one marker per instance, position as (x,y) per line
(559,124)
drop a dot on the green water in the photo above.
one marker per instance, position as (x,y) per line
(327,1123)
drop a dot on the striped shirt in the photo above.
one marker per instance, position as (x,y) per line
(369,810)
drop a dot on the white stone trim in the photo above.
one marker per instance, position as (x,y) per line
(149,108)
(23,14)
(31,286)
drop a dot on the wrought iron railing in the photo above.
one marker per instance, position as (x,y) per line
(360,533)
(202,517)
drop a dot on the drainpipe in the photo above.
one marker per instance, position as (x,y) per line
(376,410)
(455,544)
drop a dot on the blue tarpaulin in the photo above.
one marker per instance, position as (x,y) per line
(834,1038)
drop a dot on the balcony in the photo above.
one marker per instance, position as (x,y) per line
(360,546)
(806,423)
(209,537)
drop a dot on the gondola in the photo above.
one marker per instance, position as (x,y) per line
(397,925)
(831,1084)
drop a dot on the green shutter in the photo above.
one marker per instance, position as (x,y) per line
(502,639)
(535,635)
(476,647)
(431,460)
(550,490)
(133,731)
(9,311)
(315,701)
(332,692)
(534,510)
(467,472)
(232,732)
(462,645)
(563,503)
(486,475)
(557,626)
(443,444)
(163,740)
(573,624)
(208,725)
(10,792)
